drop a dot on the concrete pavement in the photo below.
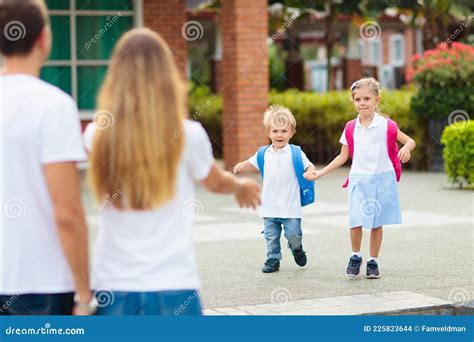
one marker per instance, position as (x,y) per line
(430,254)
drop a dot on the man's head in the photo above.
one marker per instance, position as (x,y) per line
(24,28)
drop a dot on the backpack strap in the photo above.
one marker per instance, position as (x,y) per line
(349,134)
(298,164)
(392,147)
(261,158)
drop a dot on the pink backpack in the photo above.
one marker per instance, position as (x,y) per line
(392,147)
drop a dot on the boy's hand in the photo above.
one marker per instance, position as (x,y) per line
(238,168)
(404,154)
(312,175)
(248,193)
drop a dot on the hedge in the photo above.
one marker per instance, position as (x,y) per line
(458,153)
(320,119)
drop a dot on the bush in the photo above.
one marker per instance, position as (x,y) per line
(320,119)
(458,152)
(443,76)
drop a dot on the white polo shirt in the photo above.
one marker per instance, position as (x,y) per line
(39,126)
(370,147)
(153,250)
(280,191)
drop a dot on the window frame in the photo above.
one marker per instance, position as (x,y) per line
(372,45)
(392,39)
(72,13)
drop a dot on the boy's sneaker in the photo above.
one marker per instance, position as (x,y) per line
(300,256)
(271,265)
(372,270)
(353,269)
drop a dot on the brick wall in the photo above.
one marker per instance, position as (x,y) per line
(245,77)
(351,71)
(167,17)
(410,46)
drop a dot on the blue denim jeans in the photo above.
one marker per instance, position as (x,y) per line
(37,304)
(273,227)
(166,303)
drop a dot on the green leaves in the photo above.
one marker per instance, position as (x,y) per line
(458,152)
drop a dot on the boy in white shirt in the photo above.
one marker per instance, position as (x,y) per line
(43,236)
(281,202)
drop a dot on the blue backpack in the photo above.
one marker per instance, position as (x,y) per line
(306,186)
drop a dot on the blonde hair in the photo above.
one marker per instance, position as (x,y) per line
(370,83)
(278,116)
(138,153)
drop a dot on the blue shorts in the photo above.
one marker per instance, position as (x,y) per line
(373,200)
(164,303)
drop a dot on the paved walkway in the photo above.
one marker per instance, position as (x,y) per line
(398,302)
(431,254)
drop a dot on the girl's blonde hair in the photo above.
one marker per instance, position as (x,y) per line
(278,116)
(138,153)
(370,83)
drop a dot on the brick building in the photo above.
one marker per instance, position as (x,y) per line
(85,32)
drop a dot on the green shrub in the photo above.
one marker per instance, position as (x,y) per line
(320,119)
(458,153)
(444,76)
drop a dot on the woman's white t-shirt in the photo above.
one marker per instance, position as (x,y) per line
(153,250)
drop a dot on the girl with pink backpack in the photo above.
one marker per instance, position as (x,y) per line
(370,141)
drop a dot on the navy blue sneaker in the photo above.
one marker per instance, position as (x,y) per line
(372,270)
(300,256)
(271,265)
(353,269)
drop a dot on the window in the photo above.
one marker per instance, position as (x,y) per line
(386,76)
(397,49)
(361,52)
(375,52)
(84,34)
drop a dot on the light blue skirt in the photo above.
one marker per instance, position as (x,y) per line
(373,200)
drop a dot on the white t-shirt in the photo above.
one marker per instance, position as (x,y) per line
(370,147)
(280,191)
(40,125)
(153,250)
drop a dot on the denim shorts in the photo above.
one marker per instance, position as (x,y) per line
(37,304)
(165,303)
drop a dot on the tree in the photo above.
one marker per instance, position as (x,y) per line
(433,17)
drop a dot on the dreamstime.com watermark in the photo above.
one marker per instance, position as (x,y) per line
(452,37)
(46,330)
(288,22)
(180,309)
(106,205)
(199,110)
(109,22)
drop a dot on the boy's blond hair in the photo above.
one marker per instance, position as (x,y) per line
(278,116)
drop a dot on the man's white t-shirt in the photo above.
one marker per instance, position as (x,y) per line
(153,250)
(39,125)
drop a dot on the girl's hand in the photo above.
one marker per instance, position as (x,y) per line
(238,168)
(312,175)
(404,154)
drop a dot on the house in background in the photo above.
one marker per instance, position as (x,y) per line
(86,31)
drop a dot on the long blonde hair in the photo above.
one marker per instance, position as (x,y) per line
(138,142)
